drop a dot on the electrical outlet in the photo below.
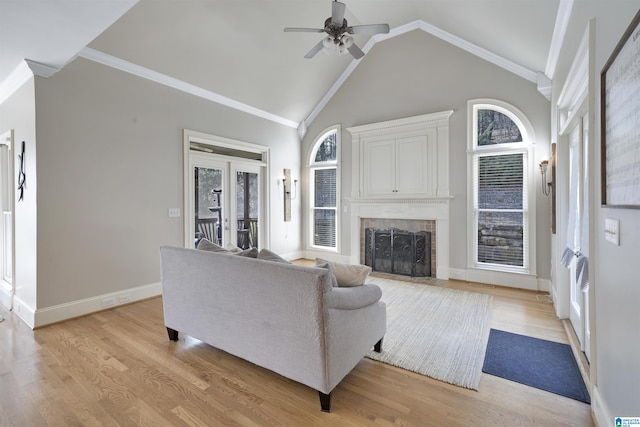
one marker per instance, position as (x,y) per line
(124,298)
(108,302)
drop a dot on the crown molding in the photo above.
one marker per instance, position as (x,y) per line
(544,85)
(405,124)
(163,79)
(41,70)
(22,74)
(480,52)
(559,31)
(18,77)
(491,57)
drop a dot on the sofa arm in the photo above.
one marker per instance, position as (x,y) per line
(353,298)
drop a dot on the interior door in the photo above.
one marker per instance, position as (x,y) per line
(577,210)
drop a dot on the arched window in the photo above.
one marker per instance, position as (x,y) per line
(324,178)
(501,205)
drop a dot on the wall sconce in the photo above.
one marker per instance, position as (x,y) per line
(546,185)
(289,192)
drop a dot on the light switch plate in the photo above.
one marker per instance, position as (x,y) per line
(612,230)
(174,212)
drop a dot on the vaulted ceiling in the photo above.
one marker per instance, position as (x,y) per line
(236,52)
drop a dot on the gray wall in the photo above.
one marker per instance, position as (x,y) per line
(615,281)
(110,164)
(418,74)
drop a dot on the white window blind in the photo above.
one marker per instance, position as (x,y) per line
(324,207)
(500,205)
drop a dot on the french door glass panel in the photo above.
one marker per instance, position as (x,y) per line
(209,201)
(247,205)
(577,314)
(226,201)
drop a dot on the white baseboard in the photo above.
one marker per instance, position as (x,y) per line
(544,285)
(599,409)
(512,280)
(329,256)
(86,306)
(458,274)
(24,311)
(292,255)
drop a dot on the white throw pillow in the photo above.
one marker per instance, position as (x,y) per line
(347,275)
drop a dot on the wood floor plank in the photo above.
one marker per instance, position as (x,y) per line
(118,368)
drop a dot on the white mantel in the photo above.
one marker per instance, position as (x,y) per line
(428,135)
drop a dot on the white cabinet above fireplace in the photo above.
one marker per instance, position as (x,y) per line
(399,166)
(405,158)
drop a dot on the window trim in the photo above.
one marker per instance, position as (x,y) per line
(527,148)
(312,166)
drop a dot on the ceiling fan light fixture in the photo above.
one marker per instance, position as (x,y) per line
(339,32)
(347,40)
(327,42)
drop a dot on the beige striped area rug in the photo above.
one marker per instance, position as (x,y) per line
(438,332)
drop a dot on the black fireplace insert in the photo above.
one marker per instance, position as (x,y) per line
(398,251)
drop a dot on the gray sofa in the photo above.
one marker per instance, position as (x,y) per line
(287,318)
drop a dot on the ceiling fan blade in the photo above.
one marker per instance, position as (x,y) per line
(303,30)
(355,51)
(317,48)
(369,29)
(337,13)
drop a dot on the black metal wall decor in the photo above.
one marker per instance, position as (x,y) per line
(22,176)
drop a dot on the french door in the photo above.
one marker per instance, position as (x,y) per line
(578,212)
(225,203)
(7,288)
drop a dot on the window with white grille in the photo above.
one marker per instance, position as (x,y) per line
(500,202)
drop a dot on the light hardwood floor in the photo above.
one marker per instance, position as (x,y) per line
(117,367)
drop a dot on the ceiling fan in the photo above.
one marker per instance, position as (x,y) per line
(339,33)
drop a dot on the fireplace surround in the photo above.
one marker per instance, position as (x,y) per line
(400,172)
(430,215)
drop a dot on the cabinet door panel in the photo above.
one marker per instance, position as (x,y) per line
(411,165)
(379,168)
